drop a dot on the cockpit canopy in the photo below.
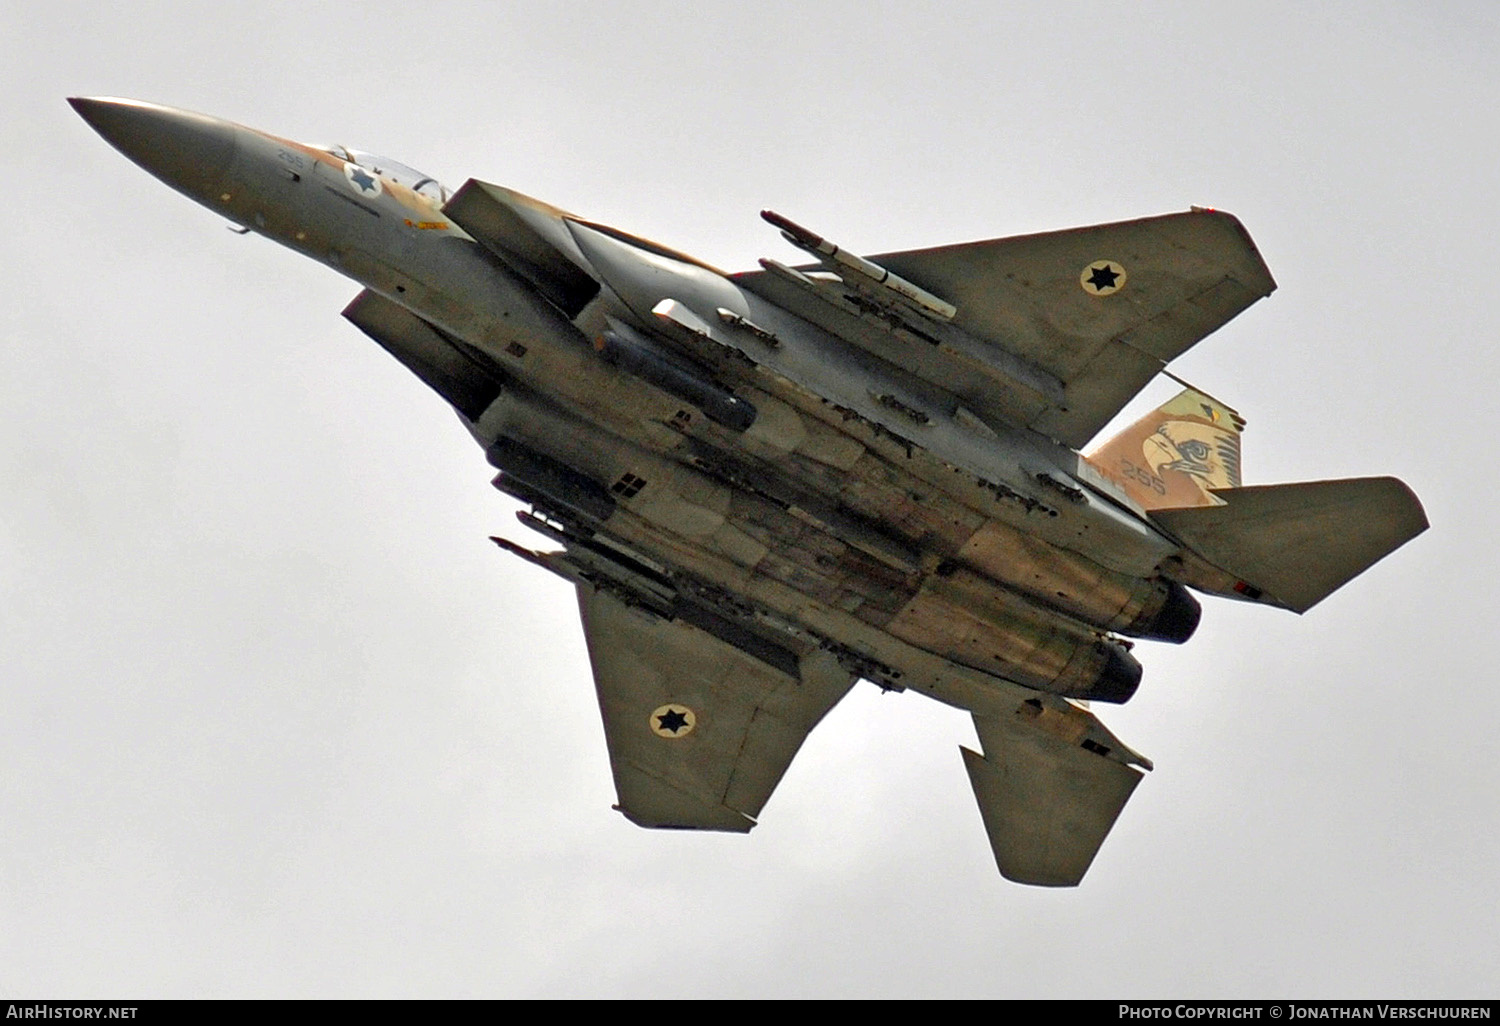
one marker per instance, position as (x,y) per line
(396,171)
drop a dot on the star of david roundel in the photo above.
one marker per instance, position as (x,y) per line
(673,721)
(365,183)
(1102,278)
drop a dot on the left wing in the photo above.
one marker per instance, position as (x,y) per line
(1055,331)
(700,728)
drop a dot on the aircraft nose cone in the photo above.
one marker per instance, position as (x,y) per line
(188,151)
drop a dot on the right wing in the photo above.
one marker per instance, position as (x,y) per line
(700,726)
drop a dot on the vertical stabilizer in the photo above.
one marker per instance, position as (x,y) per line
(1172,457)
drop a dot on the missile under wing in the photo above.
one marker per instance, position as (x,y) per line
(767,486)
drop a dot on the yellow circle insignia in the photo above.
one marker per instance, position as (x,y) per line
(1102,278)
(673,721)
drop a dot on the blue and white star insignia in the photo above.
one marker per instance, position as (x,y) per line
(366,183)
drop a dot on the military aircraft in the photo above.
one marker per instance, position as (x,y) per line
(768,485)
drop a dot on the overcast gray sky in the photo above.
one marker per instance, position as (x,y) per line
(277,720)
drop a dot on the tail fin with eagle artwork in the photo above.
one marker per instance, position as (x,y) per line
(1287,545)
(1175,455)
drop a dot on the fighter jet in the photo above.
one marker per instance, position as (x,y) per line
(766,486)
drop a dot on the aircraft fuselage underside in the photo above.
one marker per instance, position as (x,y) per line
(826,470)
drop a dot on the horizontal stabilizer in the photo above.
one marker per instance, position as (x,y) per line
(1047,803)
(1293,545)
